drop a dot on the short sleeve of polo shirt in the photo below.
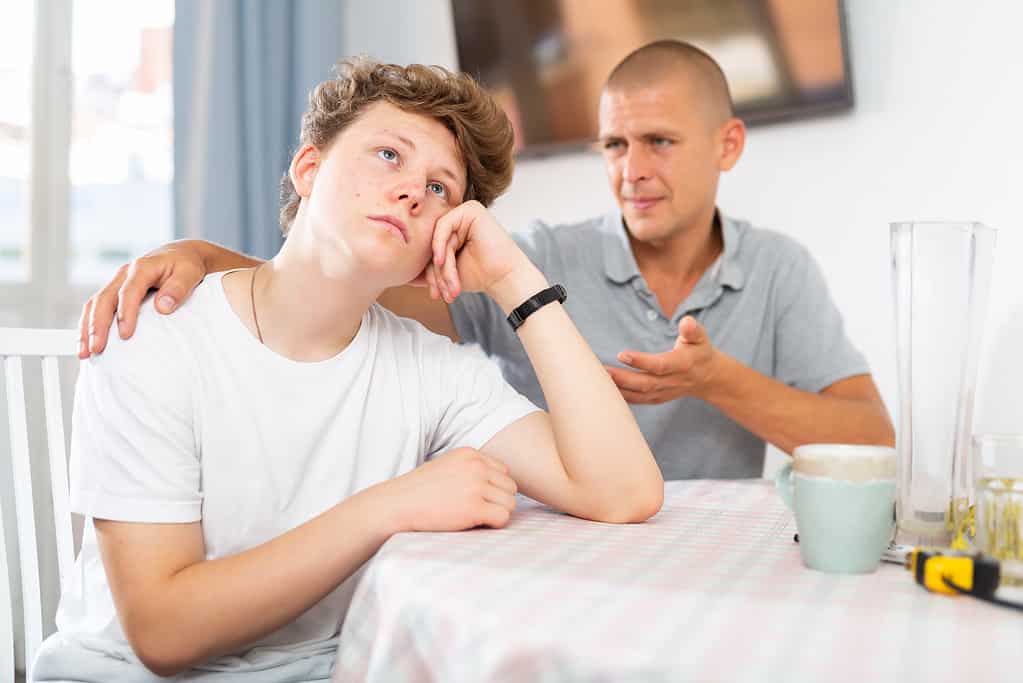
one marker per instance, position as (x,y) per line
(812,350)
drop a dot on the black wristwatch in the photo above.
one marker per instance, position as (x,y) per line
(535,303)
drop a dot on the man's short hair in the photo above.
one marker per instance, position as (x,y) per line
(481,129)
(666,59)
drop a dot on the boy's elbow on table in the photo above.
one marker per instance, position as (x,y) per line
(159,649)
(634,505)
(647,504)
(161,658)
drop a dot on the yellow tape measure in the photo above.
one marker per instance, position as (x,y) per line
(941,571)
(952,572)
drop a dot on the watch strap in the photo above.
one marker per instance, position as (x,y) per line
(535,303)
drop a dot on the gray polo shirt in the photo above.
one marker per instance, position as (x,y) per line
(765,303)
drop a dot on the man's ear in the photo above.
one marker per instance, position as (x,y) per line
(304,166)
(732,136)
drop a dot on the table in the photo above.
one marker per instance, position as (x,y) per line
(711,588)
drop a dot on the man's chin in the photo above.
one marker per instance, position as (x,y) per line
(641,224)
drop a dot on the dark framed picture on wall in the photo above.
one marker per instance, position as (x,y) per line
(545,61)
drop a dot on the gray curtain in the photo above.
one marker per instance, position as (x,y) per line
(242,73)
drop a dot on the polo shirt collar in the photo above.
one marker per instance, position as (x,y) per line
(620,263)
(732,274)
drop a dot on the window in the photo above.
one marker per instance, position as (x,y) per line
(121,157)
(86,148)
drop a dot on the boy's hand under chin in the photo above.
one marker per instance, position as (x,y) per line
(473,253)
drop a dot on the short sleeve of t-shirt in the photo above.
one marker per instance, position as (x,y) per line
(465,400)
(134,454)
(479,320)
(812,348)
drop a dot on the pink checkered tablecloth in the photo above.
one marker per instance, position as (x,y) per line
(711,589)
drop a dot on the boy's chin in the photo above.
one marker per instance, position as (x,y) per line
(419,280)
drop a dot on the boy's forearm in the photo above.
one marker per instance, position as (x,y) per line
(218,258)
(220,606)
(600,444)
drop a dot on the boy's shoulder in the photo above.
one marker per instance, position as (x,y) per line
(166,334)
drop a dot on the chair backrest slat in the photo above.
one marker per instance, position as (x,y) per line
(6,613)
(17,345)
(24,507)
(17,341)
(58,468)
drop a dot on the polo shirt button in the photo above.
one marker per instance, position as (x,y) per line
(651,315)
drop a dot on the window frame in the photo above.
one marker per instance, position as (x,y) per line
(43,297)
(47,297)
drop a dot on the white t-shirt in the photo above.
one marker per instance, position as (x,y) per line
(193,419)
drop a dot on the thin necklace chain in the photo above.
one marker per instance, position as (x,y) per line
(252,296)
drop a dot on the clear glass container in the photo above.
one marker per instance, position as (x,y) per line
(998,500)
(941,275)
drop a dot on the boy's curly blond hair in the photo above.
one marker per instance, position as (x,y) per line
(481,129)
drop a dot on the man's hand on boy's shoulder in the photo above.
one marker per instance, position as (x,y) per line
(174,270)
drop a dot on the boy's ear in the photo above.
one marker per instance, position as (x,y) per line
(304,166)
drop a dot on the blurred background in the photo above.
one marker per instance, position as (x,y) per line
(546,61)
(127,124)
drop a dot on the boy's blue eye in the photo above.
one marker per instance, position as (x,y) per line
(437,189)
(388,154)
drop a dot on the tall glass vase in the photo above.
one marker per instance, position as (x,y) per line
(941,276)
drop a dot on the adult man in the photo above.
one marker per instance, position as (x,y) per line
(757,350)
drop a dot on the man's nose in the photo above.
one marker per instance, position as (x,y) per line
(635,166)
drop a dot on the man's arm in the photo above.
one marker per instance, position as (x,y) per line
(848,411)
(179,610)
(587,457)
(174,270)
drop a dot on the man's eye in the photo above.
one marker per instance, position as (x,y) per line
(661,142)
(613,144)
(388,154)
(437,189)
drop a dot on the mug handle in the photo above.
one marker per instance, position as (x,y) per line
(783,484)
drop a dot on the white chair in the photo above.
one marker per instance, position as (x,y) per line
(18,346)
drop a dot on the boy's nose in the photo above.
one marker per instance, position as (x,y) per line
(413,202)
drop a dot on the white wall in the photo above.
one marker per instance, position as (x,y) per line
(934,135)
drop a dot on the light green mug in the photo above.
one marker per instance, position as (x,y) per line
(843,497)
